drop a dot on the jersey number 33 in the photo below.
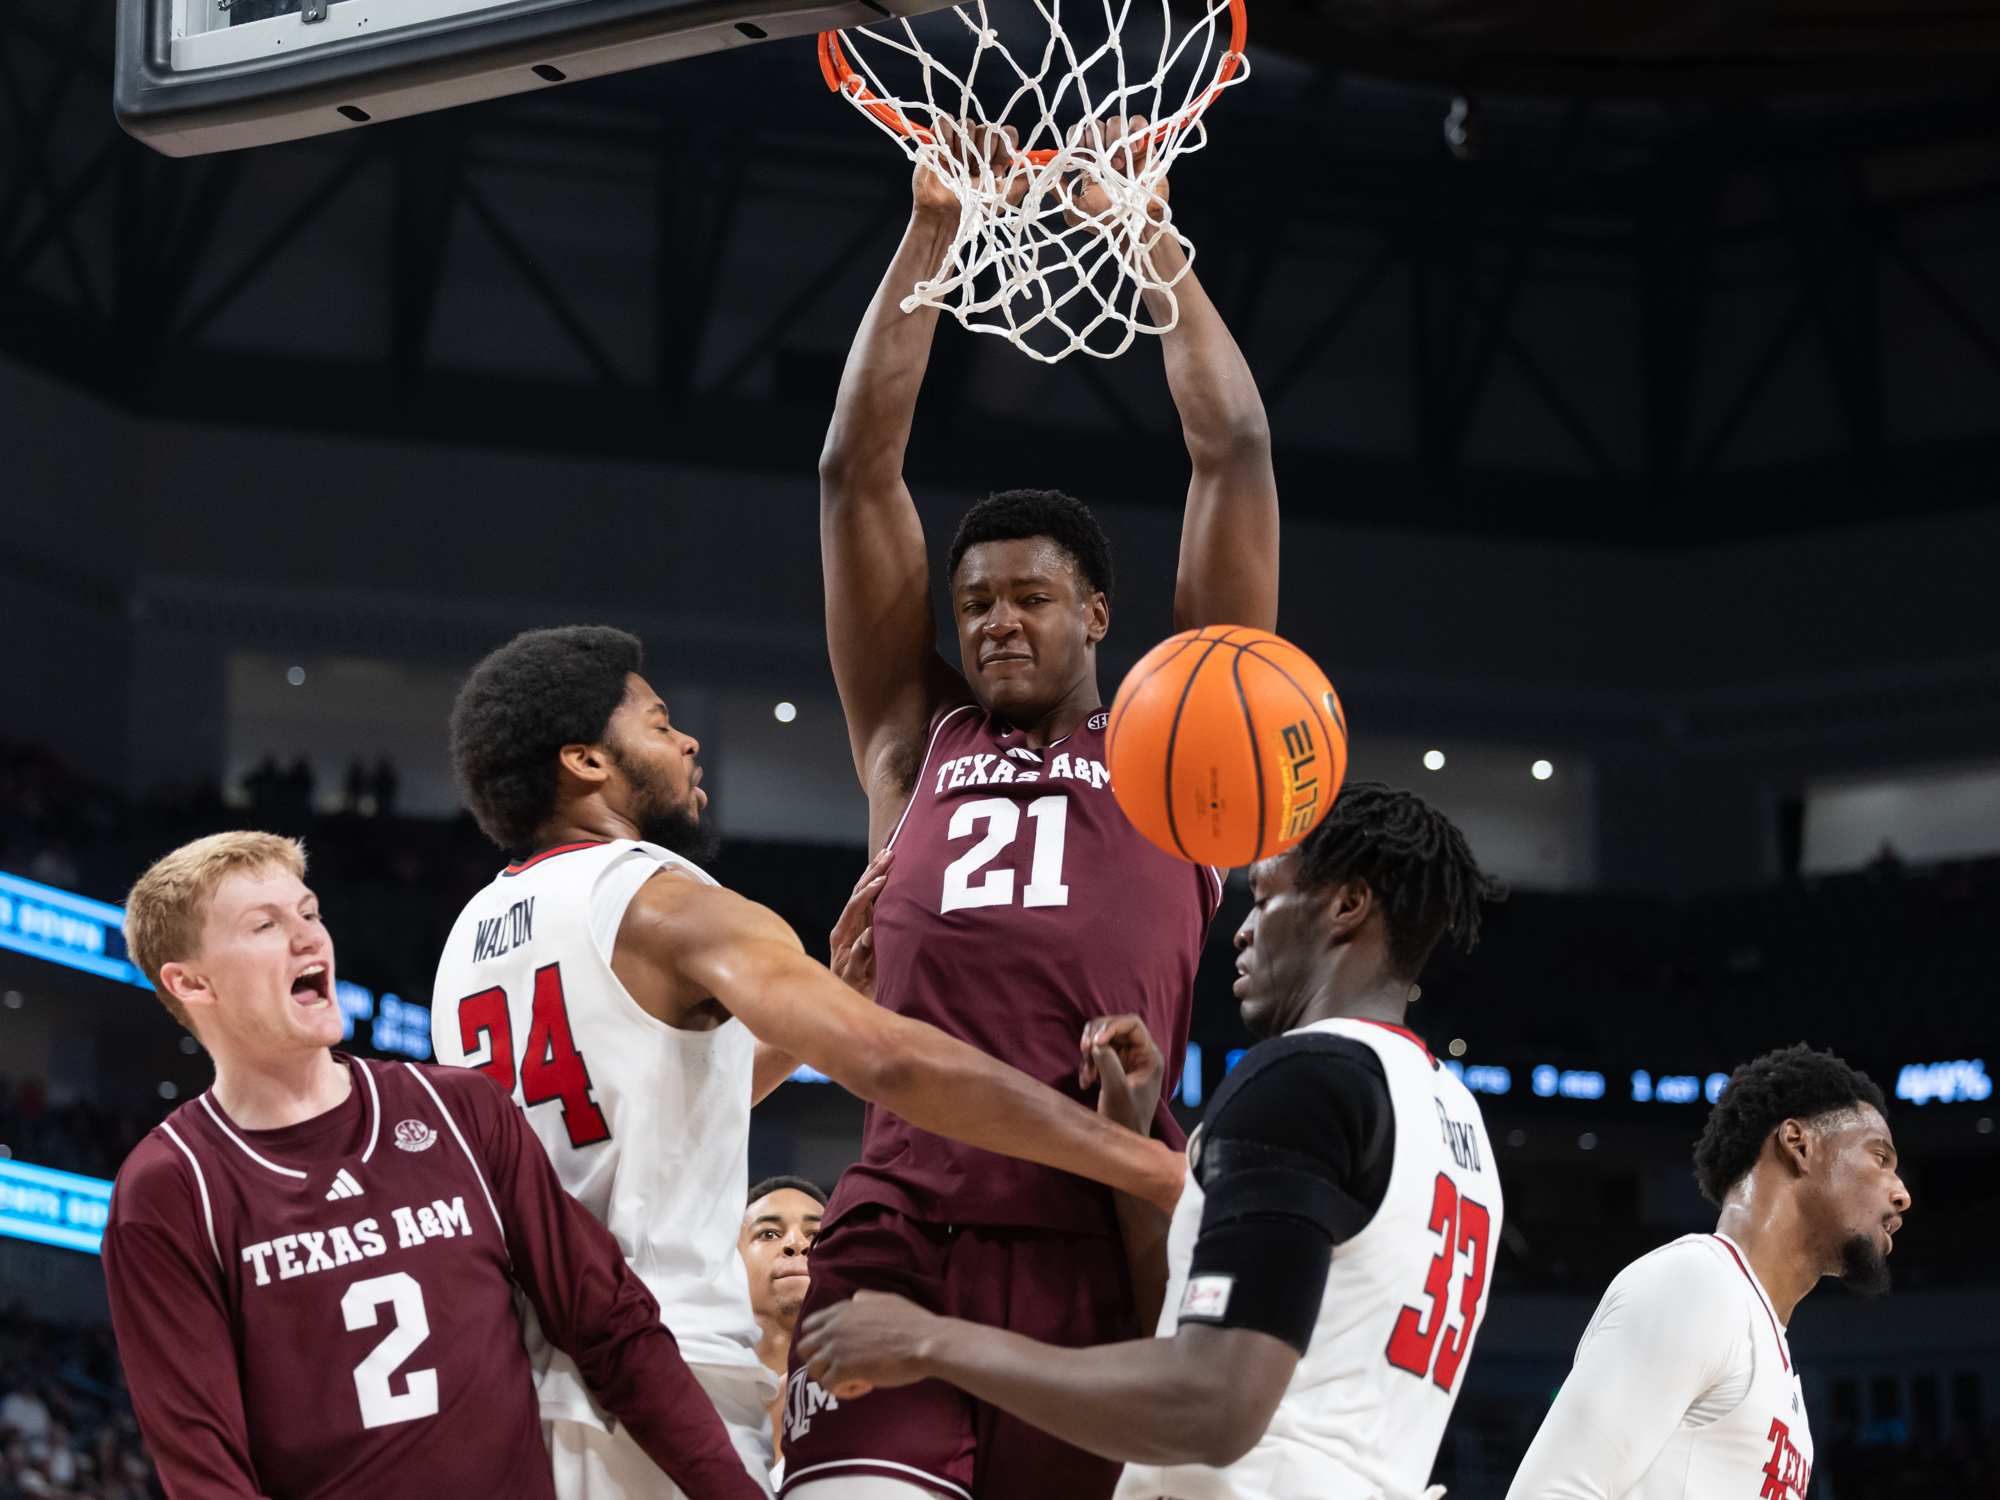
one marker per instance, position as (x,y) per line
(1424,1342)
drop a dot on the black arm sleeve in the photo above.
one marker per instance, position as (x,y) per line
(1294,1159)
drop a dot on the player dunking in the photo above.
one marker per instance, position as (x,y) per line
(635,1010)
(1019,900)
(1684,1386)
(1331,1256)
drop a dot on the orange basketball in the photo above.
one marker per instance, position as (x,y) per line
(1227,745)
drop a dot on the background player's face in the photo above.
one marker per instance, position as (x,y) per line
(262,982)
(1279,947)
(655,781)
(778,1232)
(1027,629)
(1861,1196)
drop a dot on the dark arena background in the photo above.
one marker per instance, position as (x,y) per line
(1634,373)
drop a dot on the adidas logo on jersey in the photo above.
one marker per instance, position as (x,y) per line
(344,1186)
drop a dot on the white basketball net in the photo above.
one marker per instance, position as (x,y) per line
(1026,262)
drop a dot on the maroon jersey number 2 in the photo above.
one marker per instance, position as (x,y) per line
(551,1066)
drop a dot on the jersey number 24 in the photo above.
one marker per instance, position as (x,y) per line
(1417,1348)
(551,1067)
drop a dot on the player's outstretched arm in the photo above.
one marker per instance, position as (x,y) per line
(1203,1396)
(594,1307)
(880,629)
(1229,536)
(712,942)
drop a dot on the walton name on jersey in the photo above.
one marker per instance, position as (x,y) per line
(494,937)
(329,1249)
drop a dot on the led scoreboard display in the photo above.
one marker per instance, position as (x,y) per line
(53,1208)
(65,929)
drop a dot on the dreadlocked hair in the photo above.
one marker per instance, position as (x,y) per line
(1415,861)
(1792,1083)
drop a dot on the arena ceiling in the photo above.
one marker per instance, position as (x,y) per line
(1646,48)
(1694,272)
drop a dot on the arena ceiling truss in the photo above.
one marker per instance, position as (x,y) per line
(1645,321)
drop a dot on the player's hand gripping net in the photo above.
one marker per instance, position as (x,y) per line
(1058,226)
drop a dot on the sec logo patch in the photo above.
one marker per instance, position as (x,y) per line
(415,1135)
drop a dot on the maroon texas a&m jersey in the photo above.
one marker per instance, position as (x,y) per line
(1022,903)
(329,1309)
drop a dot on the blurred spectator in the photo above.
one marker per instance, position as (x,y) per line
(383,788)
(297,787)
(265,785)
(66,1427)
(359,799)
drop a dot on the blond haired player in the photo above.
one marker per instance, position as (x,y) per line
(313,1264)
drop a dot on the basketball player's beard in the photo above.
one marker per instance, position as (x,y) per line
(663,821)
(1863,1268)
(681,830)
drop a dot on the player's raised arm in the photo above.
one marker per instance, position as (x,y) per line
(880,628)
(678,934)
(1229,536)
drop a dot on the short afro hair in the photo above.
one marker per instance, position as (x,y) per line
(1415,861)
(1012,515)
(542,690)
(1793,1083)
(783,1181)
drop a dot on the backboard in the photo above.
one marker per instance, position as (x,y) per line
(195,76)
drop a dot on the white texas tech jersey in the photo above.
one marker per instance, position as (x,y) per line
(1762,1447)
(1683,1389)
(1367,1406)
(648,1125)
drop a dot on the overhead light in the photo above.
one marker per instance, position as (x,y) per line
(1434,760)
(785,713)
(1587,1141)
(1457,1048)
(170,1090)
(1543,770)
(296,676)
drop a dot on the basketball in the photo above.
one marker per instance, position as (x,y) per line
(1227,745)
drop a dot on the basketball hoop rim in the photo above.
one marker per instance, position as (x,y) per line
(842,79)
